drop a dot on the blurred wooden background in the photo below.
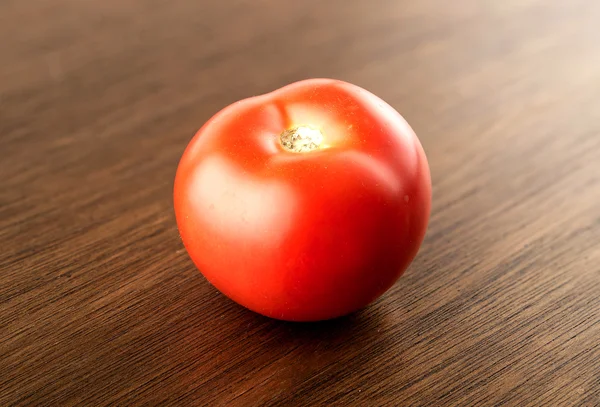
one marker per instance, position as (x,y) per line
(99,303)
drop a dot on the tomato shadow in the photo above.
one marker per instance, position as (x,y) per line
(342,328)
(352,330)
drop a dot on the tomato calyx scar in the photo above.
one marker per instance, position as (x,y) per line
(301,139)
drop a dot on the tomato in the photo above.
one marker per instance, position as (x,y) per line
(306,203)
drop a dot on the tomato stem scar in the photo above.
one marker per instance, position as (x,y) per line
(301,139)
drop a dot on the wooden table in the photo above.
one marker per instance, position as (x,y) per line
(100,304)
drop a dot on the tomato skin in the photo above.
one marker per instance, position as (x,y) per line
(304,236)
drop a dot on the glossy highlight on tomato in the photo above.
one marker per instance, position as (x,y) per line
(306,203)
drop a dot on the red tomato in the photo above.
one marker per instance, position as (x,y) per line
(306,203)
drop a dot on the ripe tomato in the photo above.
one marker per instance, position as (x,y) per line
(306,203)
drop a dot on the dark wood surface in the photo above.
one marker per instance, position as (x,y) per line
(99,302)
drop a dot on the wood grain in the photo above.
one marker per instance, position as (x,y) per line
(99,303)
